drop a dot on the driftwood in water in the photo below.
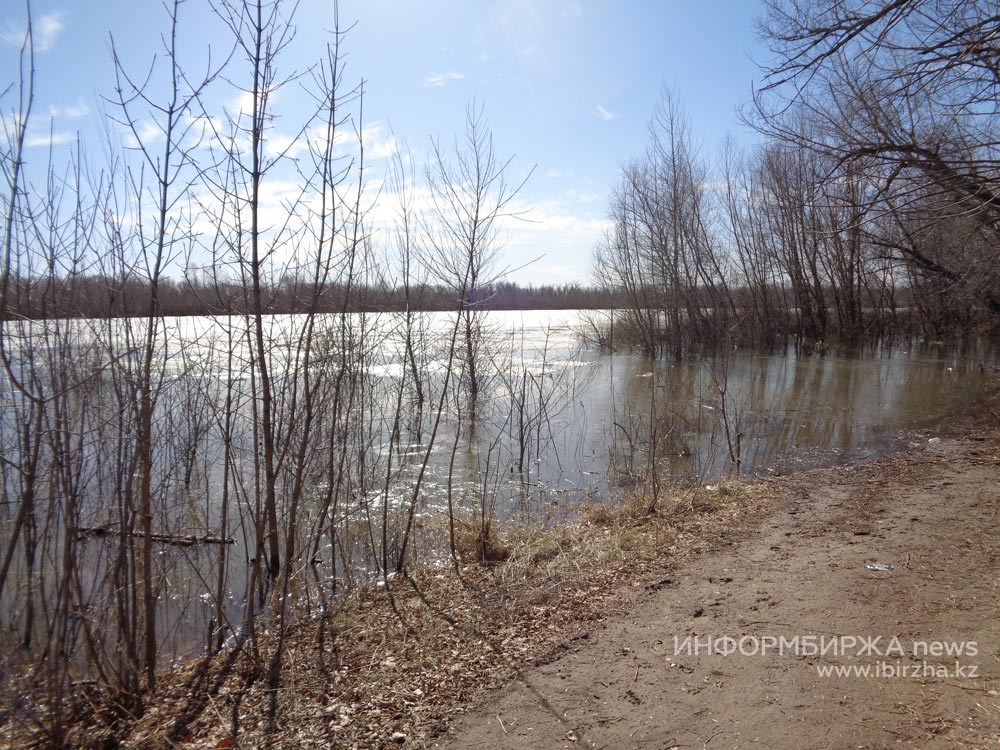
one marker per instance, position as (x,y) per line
(181,540)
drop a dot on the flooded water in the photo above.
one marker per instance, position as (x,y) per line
(556,424)
(559,421)
(613,416)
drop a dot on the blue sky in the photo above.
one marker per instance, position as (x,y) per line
(567,86)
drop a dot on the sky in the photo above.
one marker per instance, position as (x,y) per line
(567,86)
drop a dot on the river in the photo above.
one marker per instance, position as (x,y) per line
(557,424)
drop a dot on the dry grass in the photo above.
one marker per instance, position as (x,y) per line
(477,542)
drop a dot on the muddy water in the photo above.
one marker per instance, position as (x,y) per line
(609,418)
(556,424)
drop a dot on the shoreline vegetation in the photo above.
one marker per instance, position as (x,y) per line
(323,655)
(394,665)
(399,659)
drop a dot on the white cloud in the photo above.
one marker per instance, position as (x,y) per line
(576,196)
(240,104)
(147,132)
(72,112)
(35,140)
(378,143)
(604,114)
(557,233)
(442,79)
(278,144)
(45,30)
(555,273)
(557,219)
(552,242)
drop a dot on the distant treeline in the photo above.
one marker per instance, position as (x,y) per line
(96,296)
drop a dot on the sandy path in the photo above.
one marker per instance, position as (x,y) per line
(800,570)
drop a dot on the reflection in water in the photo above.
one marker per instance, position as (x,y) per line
(786,411)
(557,423)
(595,421)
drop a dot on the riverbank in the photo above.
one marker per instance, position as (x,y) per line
(905,548)
(563,644)
(395,667)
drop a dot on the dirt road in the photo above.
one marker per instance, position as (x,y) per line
(802,570)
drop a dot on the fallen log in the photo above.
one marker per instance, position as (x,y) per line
(180,540)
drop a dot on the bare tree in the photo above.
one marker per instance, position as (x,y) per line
(907,87)
(663,252)
(162,238)
(471,199)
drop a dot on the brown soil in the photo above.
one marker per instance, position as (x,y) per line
(799,570)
